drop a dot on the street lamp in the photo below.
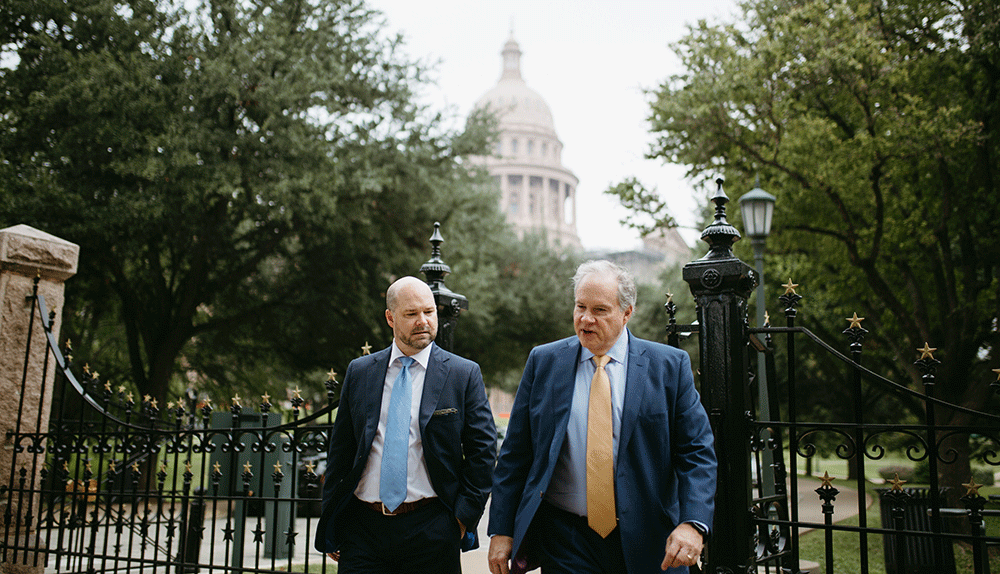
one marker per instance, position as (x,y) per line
(757,207)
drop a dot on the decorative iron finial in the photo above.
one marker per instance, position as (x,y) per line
(435,269)
(449,303)
(720,235)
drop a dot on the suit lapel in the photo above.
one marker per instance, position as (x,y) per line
(372,395)
(434,380)
(562,393)
(636,383)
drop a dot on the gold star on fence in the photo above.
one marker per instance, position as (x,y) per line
(121,389)
(670,297)
(107,386)
(217,468)
(826,480)
(927,352)
(247,467)
(297,393)
(135,467)
(972,489)
(187,466)
(111,466)
(366,349)
(147,398)
(170,406)
(897,485)
(767,318)
(855,321)
(997,371)
(277,467)
(86,367)
(163,467)
(129,397)
(265,398)
(331,375)
(154,404)
(236,400)
(311,468)
(790,287)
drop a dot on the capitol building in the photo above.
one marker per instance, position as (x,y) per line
(537,193)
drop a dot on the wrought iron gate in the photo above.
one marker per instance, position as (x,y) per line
(759,521)
(119,483)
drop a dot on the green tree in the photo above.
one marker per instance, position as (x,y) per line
(243,179)
(876,124)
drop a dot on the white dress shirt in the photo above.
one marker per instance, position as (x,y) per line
(418,482)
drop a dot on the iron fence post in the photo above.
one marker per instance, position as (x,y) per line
(449,303)
(721,285)
(192,529)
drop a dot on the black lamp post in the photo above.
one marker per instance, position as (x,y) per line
(449,303)
(757,207)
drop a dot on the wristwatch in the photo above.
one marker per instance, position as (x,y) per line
(700,528)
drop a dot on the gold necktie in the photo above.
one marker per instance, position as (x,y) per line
(600,458)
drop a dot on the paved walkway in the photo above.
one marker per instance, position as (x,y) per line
(810,510)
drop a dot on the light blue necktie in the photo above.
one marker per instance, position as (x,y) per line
(392,483)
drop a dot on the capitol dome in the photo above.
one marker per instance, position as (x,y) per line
(537,194)
(517,105)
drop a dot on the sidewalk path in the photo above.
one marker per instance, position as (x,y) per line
(810,510)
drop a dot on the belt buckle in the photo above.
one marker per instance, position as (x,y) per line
(386,511)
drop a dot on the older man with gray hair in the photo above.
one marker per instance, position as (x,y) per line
(608,463)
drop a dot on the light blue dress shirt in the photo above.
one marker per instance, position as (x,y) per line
(568,489)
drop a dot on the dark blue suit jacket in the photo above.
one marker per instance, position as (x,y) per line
(456,426)
(665,466)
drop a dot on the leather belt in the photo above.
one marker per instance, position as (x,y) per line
(401,509)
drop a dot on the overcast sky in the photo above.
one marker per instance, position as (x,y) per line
(590,61)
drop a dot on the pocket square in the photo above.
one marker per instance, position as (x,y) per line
(441,412)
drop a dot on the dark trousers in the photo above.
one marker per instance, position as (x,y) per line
(567,545)
(424,541)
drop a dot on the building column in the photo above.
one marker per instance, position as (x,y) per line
(27,255)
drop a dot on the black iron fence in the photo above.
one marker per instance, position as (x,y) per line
(763,458)
(120,483)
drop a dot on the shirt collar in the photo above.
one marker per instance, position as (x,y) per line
(618,351)
(423,357)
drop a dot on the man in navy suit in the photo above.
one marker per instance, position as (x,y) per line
(411,452)
(608,464)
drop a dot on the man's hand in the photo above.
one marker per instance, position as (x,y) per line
(461,527)
(683,547)
(500,549)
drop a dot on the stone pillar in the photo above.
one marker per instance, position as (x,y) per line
(721,285)
(26,254)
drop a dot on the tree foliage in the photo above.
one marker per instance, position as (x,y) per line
(876,124)
(244,180)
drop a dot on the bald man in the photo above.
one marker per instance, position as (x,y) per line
(411,451)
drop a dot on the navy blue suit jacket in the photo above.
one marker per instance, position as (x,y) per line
(456,426)
(665,467)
